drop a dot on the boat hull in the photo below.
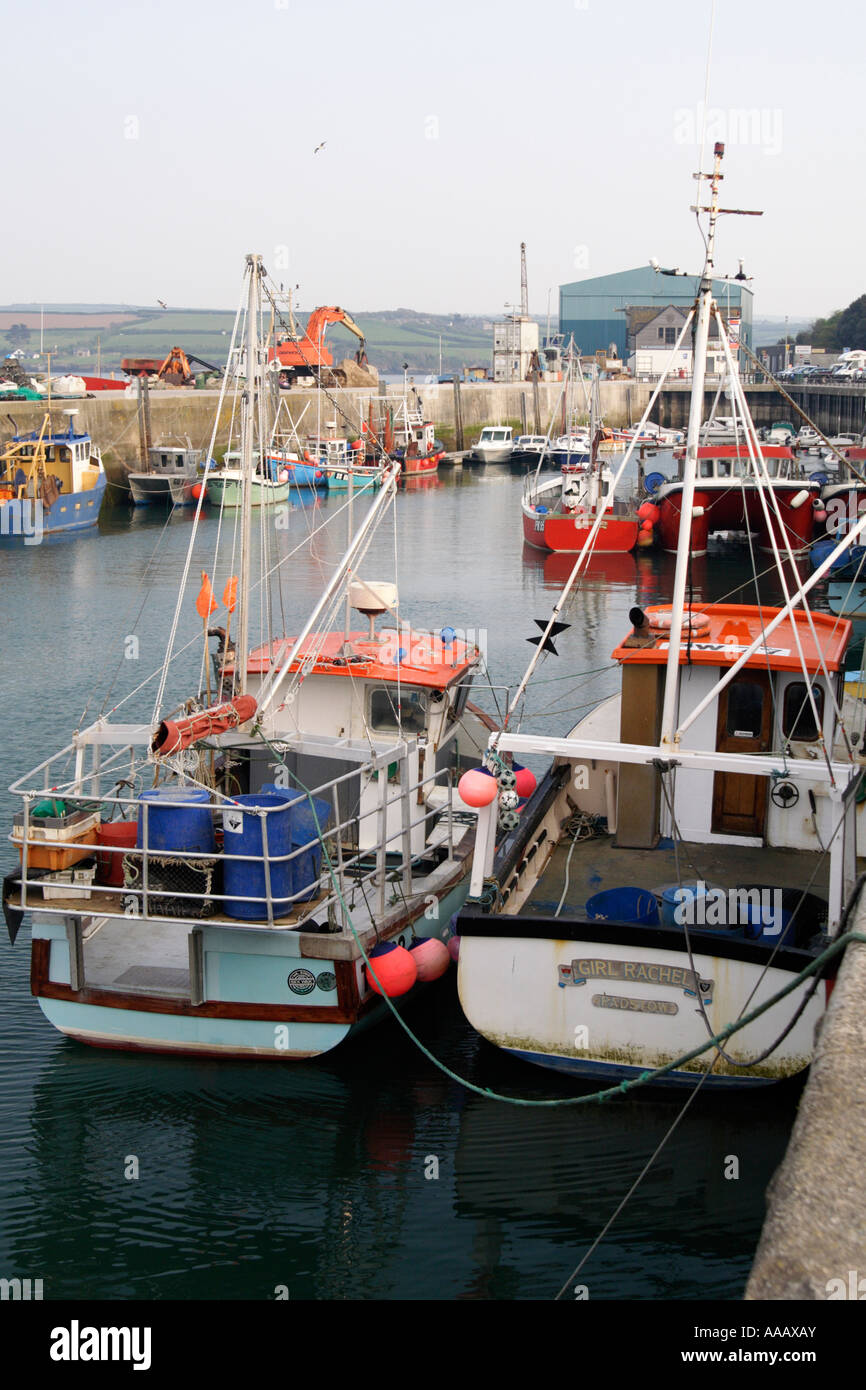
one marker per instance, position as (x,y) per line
(242,975)
(729,509)
(227,492)
(555,532)
(618,1001)
(72,511)
(150,490)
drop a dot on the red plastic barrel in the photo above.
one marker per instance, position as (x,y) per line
(109,867)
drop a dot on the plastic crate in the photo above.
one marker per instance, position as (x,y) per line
(69,883)
(53,834)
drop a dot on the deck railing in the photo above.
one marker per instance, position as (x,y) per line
(343,876)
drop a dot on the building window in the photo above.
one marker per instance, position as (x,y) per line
(662,334)
(670,335)
(798,721)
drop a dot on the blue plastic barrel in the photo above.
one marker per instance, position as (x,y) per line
(243,835)
(178,818)
(623,905)
(766,924)
(679,904)
(306,867)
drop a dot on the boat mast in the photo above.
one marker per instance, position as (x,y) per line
(696,408)
(254,265)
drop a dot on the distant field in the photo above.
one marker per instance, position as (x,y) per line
(393,338)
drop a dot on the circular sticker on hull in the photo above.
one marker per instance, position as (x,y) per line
(301,982)
(326,980)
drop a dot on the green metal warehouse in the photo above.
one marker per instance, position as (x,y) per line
(595,310)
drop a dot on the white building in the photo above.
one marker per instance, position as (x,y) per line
(514,342)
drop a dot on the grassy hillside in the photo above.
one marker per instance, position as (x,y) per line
(393,337)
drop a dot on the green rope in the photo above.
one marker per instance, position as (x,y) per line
(596,1097)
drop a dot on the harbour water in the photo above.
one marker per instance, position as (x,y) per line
(368,1174)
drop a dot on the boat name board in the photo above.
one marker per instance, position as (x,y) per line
(731,648)
(637,971)
(641,1006)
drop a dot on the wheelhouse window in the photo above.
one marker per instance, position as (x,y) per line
(411,716)
(798,721)
(706,468)
(745,709)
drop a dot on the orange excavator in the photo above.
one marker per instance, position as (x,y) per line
(308,355)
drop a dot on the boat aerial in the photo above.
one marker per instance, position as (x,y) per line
(692,848)
(279,846)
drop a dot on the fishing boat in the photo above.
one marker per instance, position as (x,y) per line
(692,848)
(50,481)
(727,498)
(571,450)
(225,486)
(169,478)
(412,440)
(495,444)
(341,464)
(529,449)
(561,513)
(279,845)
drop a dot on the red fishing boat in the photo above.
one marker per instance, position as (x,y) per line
(727,498)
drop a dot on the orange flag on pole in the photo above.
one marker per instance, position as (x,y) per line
(205,603)
(230,594)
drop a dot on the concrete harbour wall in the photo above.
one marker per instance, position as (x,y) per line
(814,1236)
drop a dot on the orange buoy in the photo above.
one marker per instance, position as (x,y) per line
(197,490)
(477,788)
(431,957)
(395,967)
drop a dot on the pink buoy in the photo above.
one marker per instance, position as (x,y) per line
(284,475)
(454,947)
(431,958)
(477,788)
(395,968)
(820,515)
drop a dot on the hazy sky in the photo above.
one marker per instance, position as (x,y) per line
(148,146)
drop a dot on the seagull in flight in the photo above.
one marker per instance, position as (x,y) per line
(320,147)
(162,304)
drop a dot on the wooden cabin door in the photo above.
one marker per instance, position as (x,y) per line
(745,726)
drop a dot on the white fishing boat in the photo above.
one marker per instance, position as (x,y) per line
(692,848)
(495,444)
(280,844)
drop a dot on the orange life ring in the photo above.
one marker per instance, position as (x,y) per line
(693,624)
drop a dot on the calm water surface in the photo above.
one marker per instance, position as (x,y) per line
(312,1175)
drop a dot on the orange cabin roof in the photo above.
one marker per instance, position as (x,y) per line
(734,626)
(427,661)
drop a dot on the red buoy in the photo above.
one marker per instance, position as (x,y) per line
(524,782)
(395,968)
(197,490)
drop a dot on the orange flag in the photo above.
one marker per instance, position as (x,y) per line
(230,594)
(205,603)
